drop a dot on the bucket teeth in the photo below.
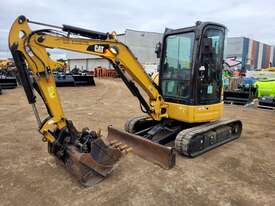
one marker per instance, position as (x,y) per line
(128,150)
(113,142)
(123,148)
(118,145)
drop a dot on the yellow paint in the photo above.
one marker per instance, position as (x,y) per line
(46,85)
(51,91)
(191,114)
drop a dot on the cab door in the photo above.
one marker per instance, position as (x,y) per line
(209,78)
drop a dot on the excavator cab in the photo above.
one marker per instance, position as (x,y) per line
(191,64)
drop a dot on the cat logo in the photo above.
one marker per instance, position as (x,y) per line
(99,48)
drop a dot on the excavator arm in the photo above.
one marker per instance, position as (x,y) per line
(83,153)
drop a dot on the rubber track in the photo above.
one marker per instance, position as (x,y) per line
(185,136)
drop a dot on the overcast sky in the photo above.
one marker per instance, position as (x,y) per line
(249,18)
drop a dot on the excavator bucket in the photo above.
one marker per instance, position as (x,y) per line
(161,155)
(91,168)
(85,154)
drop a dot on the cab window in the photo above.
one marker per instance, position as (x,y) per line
(177,66)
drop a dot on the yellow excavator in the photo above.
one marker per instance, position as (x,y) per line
(182,111)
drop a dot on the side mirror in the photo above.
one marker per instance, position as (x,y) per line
(158,49)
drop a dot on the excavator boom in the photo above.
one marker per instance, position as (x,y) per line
(181,111)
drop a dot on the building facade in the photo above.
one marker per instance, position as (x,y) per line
(253,54)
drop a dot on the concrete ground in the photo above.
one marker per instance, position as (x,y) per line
(239,173)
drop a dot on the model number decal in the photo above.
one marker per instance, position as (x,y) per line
(51,91)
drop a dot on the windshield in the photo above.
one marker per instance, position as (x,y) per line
(177,65)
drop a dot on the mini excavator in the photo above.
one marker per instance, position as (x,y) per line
(182,111)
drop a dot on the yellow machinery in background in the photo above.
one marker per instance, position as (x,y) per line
(7,74)
(182,111)
(5,63)
(270,69)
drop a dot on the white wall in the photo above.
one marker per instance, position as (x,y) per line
(88,64)
(234,47)
(249,57)
(93,63)
(143,45)
(79,63)
(260,56)
(271,55)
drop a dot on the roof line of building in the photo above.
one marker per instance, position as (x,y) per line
(152,32)
(251,39)
(84,58)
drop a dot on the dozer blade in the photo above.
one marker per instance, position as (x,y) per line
(156,153)
(91,168)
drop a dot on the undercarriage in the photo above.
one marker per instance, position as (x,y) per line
(188,139)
